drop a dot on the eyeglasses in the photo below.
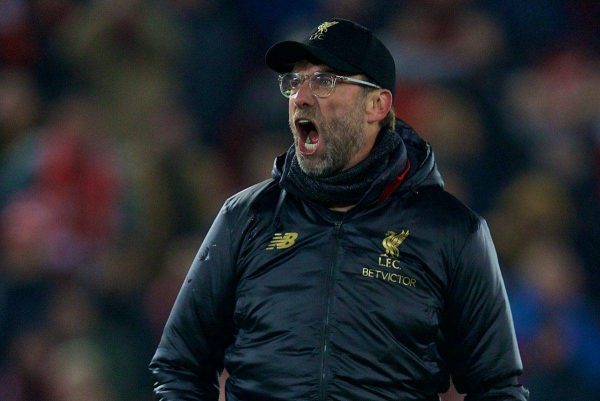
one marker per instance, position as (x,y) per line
(321,84)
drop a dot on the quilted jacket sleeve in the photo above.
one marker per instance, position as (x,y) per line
(190,354)
(483,353)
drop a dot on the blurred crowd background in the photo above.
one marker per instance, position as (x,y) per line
(124,124)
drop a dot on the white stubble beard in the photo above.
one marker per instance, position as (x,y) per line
(343,137)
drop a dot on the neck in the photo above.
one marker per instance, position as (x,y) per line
(362,183)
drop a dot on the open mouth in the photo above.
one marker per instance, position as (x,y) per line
(308,136)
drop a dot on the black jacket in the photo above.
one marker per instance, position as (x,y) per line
(383,302)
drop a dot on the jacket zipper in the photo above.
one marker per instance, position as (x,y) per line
(325,348)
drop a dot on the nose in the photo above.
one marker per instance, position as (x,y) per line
(304,96)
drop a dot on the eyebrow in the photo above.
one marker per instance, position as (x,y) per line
(336,72)
(325,69)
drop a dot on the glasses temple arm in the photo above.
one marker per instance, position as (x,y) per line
(359,81)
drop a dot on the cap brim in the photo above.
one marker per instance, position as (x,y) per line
(282,57)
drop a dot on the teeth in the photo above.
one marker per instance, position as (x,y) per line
(308,144)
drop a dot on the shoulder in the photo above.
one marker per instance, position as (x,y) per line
(444,208)
(248,211)
(444,219)
(455,232)
(258,196)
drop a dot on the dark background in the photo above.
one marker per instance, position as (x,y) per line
(124,124)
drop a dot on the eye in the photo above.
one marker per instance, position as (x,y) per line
(294,81)
(325,80)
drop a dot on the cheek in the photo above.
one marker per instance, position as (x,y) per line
(335,109)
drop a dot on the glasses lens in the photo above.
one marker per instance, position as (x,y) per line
(322,84)
(289,84)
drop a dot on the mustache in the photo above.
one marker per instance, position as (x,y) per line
(310,114)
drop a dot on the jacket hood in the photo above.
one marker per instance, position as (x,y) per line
(423,169)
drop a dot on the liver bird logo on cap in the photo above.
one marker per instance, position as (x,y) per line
(321,29)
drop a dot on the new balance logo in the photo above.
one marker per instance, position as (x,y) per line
(282,241)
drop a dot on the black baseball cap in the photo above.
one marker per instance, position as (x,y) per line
(342,45)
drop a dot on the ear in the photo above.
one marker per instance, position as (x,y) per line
(378,105)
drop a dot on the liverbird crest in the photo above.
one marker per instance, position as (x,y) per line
(392,241)
(321,29)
